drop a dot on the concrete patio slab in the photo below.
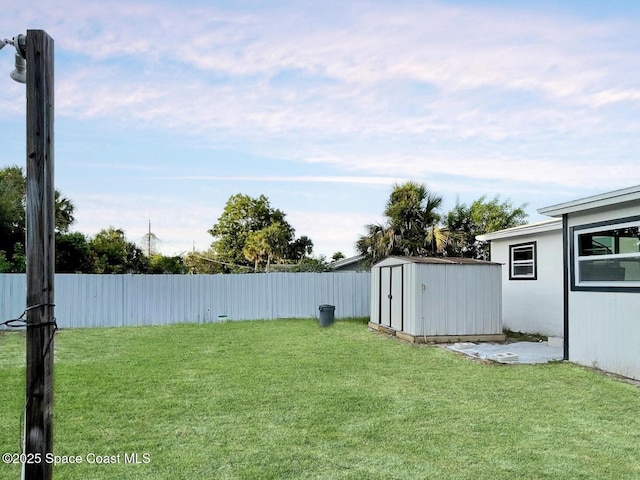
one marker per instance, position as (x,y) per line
(518,352)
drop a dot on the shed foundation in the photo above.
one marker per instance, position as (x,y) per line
(437,338)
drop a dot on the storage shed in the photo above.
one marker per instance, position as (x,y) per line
(428,299)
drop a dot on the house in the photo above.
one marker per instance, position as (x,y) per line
(428,299)
(351,264)
(594,243)
(531,276)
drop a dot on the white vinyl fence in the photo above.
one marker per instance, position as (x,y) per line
(127,300)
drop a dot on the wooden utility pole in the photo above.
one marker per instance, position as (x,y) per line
(40,252)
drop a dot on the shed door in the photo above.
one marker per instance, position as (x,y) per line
(391,308)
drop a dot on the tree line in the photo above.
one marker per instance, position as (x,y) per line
(252,236)
(414,226)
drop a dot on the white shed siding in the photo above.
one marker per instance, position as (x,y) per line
(481,299)
(444,299)
(374,306)
(129,300)
(458,300)
(415,315)
(533,306)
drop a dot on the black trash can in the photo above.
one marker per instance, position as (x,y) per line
(326,315)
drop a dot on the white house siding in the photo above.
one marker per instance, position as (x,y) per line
(604,327)
(533,306)
(130,300)
(603,214)
(605,331)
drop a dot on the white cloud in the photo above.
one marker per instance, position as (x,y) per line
(341,76)
(614,96)
(297,179)
(502,168)
(462,97)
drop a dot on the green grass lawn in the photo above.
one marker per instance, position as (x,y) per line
(286,399)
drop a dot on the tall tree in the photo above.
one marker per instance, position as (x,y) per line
(313,264)
(114,254)
(159,263)
(412,213)
(256,248)
(265,246)
(465,222)
(337,256)
(64,213)
(12,211)
(378,243)
(197,262)
(5,264)
(279,240)
(13,190)
(244,216)
(300,248)
(410,227)
(73,253)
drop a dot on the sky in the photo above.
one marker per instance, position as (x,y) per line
(165,109)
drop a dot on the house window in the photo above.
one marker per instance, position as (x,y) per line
(522,261)
(607,255)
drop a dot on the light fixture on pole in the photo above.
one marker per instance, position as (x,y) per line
(19,74)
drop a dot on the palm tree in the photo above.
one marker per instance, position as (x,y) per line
(411,226)
(412,212)
(277,237)
(300,248)
(63,213)
(256,248)
(379,242)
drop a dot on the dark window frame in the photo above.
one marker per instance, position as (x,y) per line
(534,260)
(597,285)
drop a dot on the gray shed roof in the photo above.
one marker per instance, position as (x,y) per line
(442,260)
